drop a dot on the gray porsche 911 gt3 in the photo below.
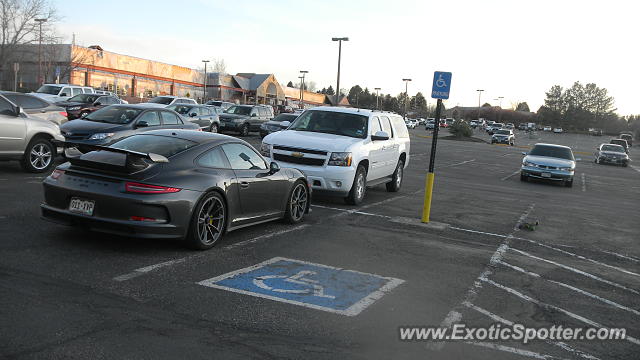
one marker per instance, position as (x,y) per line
(173,184)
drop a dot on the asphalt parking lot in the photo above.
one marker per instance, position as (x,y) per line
(68,293)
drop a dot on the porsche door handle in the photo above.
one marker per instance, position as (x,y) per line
(244,184)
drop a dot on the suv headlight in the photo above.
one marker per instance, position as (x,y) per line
(340,159)
(101,136)
(265,149)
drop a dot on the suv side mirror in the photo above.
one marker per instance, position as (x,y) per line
(274,168)
(63,94)
(254,115)
(97,103)
(142,123)
(285,124)
(380,135)
(18,110)
(193,114)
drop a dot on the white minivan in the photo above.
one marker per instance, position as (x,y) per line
(343,150)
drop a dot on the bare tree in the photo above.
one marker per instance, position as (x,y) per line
(18,25)
(219,66)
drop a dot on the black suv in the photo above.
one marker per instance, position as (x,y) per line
(245,118)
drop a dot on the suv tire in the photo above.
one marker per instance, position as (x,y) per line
(39,156)
(244,130)
(396,179)
(359,187)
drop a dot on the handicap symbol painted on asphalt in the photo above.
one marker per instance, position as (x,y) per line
(315,286)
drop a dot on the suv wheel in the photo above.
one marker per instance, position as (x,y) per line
(213,128)
(396,179)
(359,187)
(244,130)
(39,156)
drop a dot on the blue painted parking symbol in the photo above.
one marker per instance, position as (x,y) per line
(316,286)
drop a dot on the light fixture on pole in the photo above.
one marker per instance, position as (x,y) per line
(303,72)
(499,99)
(204,83)
(479,95)
(339,40)
(40,80)
(377,95)
(406,95)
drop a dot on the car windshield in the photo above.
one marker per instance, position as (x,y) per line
(49,89)
(622,143)
(114,115)
(332,122)
(84,98)
(166,146)
(181,109)
(285,117)
(161,100)
(239,110)
(552,151)
(503,132)
(614,148)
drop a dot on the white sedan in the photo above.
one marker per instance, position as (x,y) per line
(557,130)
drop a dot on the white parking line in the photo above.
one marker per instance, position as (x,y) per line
(456,164)
(553,307)
(266,236)
(584,182)
(635,168)
(350,211)
(143,270)
(573,288)
(513,350)
(577,271)
(471,294)
(509,176)
(559,344)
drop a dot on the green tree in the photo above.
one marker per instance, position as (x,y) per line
(354,94)
(290,84)
(523,106)
(486,105)
(330,91)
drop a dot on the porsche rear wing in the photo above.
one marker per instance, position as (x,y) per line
(134,161)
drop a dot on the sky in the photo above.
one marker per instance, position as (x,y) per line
(514,49)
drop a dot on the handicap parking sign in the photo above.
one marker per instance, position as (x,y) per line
(441,85)
(315,286)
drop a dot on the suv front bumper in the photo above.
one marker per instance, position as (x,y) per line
(329,180)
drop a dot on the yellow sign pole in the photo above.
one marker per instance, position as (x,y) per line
(428,191)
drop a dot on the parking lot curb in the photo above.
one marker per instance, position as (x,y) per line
(417,222)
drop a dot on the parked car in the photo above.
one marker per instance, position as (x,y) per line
(245,118)
(37,107)
(167,100)
(628,138)
(60,92)
(284,109)
(550,162)
(611,153)
(111,123)
(279,123)
(26,138)
(84,104)
(503,136)
(522,126)
(595,132)
(509,126)
(343,150)
(493,127)
(228,186)
(205,116)
(621,142)
(474,123)
(558,130)
(431,124)
(223,105)
(546,128)
(410,124)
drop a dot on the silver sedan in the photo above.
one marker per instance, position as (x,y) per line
(550,162)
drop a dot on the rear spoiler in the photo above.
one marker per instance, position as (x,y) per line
(133,159)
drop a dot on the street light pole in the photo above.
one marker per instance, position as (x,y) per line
(204,94)
(304,73)
(40,80)
(377,96)
(339,40)
(406,95)
(479,95)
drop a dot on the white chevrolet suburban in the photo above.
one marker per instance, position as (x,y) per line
(343,150)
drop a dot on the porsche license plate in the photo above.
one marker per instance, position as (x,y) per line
(81,206)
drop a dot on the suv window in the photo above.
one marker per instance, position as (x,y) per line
(76,91)
(262,112)
(242,157)
(213,158)
(375,125)
(5,107)
(103,100)
(27,102)
(87,91)
(399,127)
(66,91)
(151,117)
(169,118)
(255,111)
(386,125)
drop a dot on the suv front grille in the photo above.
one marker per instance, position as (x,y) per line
(301,150)
(298,160)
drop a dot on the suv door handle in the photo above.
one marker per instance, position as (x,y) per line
(244,184)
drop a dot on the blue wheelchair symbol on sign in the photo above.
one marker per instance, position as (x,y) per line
(441,85)
(315,286)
